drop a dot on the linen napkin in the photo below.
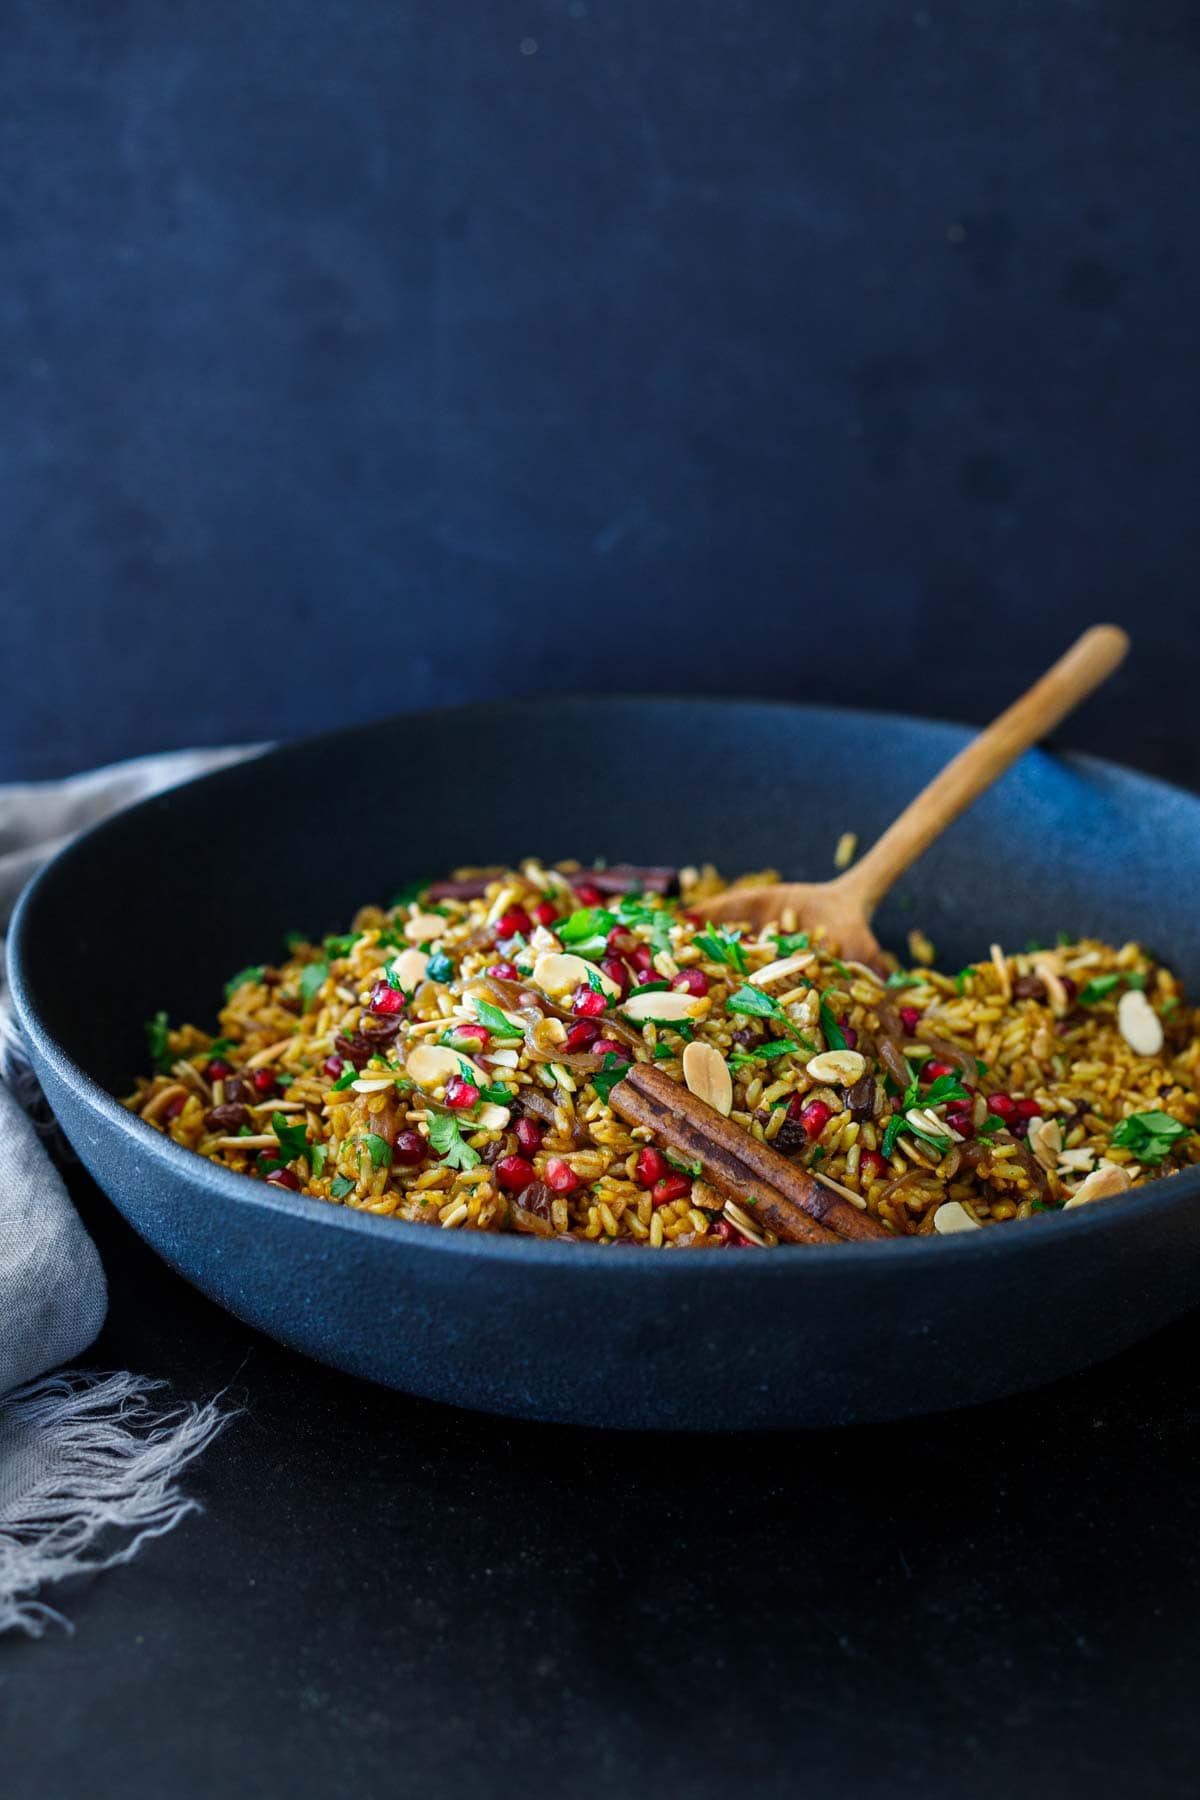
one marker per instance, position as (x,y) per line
(89,1461)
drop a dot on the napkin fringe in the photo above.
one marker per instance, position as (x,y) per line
(100,1457)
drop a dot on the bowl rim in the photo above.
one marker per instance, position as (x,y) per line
(956,1249)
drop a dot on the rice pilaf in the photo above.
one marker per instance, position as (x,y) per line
(451,1060)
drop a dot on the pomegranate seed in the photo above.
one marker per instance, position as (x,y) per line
(1071,987)
(962,1120)
(1028,1109)
(607,1047)
(616,971)
(587,895)
(815,1117)
(690,981)
(333,1067)
(560,1176)
(849,1033)
(385,999)
(408,1149)
(621,942)
(671,1187)
(504,971)
(460,1094)
(477,1034)
(218,1070)
(588,1002)
(583,1035)
(514,1173)
(910,1018)
(871,1165)
(650,1167)
(529,1135)
(264,1081)
(933,1070)
(642,958)
(724,1231)
(643,977)
(283,1178)
(545,912)
(514,923)
(174,1107)
(1003,1105)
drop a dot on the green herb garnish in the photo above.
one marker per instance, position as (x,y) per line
(341,946)
(449,1143)
(495,1021)
(440,967)
(787,944)
(762,1052)
(218,1047)
(156,1036)
(379,1148)
(293,1139)
(606,1077)
(835,1037)
(293,941)
(900,978)
(1151,1136)
(316,1156)
(255,972)
(312,979)
(724,947)
(341,1185)
(1097,988)
(685,1168)
(346,1079)
(991,1125)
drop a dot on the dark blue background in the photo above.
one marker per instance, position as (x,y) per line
(356,357)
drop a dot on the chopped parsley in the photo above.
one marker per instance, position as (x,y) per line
(892,1130)
(663,1053)
(293,941)
(293,1139)
(902,978)
(724,947)
(586,930)
(1151,1136)
(316,1157)
(632,910)
(991,1125)
(408,894)
(1097,988)
(218,1047)
(156,1036)
(946,1087)
(497,1024)
(448,1142)
(756,1005)
(611,1070)
(341,1185)
(960,980)
(439,967)
(380,1150)
(787,944)
(685,1168)
(341,946)
(835,1037)
(255,972)
(762,1052)
(312,979)
(346,1079)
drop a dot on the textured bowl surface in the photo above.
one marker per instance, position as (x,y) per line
(156,907)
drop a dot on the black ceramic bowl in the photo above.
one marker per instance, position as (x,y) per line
(154,909)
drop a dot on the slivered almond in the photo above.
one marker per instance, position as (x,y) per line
(558,974)
(1000,964)
(424,925)
(1101,1183)
(670,1006)
(490,1118)
(843,1067)
(1045,1140)
(707,1075)
(837,1188)
(932,1123)
(952,1216)
(409,968)
(1139,1024)
(783,966)
(430,1065)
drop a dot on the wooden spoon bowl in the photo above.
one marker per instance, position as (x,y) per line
(843,908)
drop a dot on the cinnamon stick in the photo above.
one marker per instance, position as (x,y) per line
(787,1198)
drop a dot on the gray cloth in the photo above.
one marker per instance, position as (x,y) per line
(86,1454)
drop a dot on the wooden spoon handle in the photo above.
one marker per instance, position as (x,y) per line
(1089,661)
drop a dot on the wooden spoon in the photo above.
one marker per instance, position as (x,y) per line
(843,907)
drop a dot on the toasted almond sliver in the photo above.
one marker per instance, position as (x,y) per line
(707,1075)
(1045,1140)
(268,1141)
(409,968)
(1139,1024)
(1000,964)
(847,845)
(560,973)
(931,1122)
(952,1216)
(783,966)
(670,1006)
(1103,1182)
(848,1193)
(432,1064)
(490,1118)
(424,925)
(841,1067)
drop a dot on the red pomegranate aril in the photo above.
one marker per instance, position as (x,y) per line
(651,1166)
(644,977)
(560,1176)
(1071,988)
(545,912)
(333,1067)
(283,1178)
(690,981)
(642,958)
(1003,1105)
(607,1047)
(514,923)
(385,999)
(587,895)
(616,971)
(621,942)
(408,1149)
(514,1173)
(671,1187)
(849,1033)
(460,1094)
(218,1069)
(582,1035)
(478,1034)
(529,1135)
(871,1165)
(588,1003)
(723,1231)
(1028,1109)
(174,1107)
(934,1070)
(910,1018)
(962,1120)
(264,1081)
(504,971)
(815,1117)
